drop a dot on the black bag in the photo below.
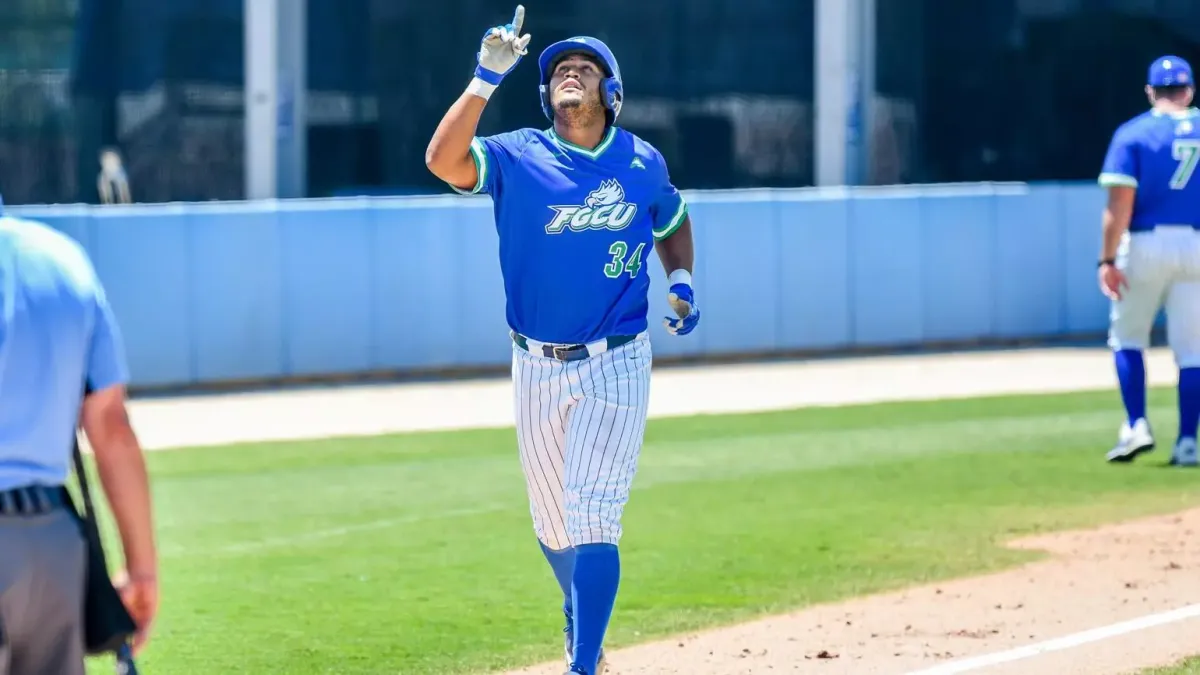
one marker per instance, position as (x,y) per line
(108,626)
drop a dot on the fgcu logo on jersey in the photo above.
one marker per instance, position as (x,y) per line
(604,208)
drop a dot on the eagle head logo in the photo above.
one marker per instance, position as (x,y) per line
(609,192)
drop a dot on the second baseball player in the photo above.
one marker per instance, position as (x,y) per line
(1150,255)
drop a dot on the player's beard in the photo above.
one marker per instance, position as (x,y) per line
(577,114)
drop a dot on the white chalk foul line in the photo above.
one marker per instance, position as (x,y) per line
(1066,642)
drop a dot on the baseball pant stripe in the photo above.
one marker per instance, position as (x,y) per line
(555,410)
(594,460)
(633,445)
(616,435)
(635,391)
(625,425)
(581,449)
(547,396)
(541,457)
(604,489)
(625,439)
(554,451)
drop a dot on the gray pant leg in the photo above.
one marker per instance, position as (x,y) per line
(5,652)
(42,575)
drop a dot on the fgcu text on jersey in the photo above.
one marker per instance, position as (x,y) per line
(576,227)
(604,208)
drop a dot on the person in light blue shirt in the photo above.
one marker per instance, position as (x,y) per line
(62,366)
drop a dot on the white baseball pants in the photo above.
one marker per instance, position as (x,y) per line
(1162,267)
(579,430)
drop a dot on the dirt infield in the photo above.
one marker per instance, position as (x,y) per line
(1095,579)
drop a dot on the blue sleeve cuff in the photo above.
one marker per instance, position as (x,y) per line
(674,223)
(1117,180)
(479,154)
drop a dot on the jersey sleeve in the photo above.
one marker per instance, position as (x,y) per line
(106,364)
(1120,162)
(669,208)
(493,156)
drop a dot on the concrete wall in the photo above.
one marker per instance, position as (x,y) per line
(230,291)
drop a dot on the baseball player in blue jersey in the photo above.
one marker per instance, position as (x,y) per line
(578,207)
(1151,252)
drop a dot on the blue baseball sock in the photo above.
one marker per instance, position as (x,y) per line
(594,592)
(563,564)
(1189,402)
(1131,373)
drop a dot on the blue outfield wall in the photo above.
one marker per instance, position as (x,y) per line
(231,291)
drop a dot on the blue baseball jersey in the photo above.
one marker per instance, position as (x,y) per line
(57,333)
(576,227)
(1157,153)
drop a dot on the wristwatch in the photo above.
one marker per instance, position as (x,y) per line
(1106,261)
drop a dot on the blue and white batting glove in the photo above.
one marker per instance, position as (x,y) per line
(683,302)
(501,50)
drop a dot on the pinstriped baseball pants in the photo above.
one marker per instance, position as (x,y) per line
(579,432)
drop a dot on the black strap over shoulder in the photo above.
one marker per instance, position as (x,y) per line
(108,626)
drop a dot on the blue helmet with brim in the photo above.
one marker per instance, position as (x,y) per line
(612,90)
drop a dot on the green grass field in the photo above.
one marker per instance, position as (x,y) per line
(414,553)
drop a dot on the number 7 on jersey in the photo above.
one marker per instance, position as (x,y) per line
(1186,151)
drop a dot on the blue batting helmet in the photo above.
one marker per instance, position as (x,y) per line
(612,91)
(1169,71)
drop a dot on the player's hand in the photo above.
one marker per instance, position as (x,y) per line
(1112,281)
(502,47)
(139,593)
(687,314)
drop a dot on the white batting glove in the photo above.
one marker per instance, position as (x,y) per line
(502,49)
(682,300)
